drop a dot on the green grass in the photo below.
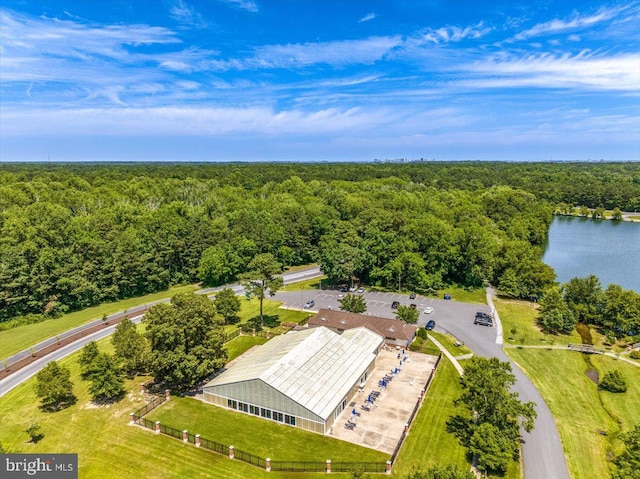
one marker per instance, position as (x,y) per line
(448,341)
(464,295)
(519,325)
(428,443)
(577,408)
(314,283)
(273,315)
(23,337)
(266,438)
(239,345)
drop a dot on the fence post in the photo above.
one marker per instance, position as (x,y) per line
(388,469)
(406,429)
(132,418)
(253,331)
(167,394)
(142,388)
(231,452)
(268,464)
(185,436)
(328,466)
(197,440)
(157,427)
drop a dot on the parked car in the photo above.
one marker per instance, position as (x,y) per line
(309,304)
(360,290)
(447,296)
(344,288)
(428,310)
(483,321)
(413,306)
(430,325)
(395,305)
(412,296)
(353,288)
(483,315)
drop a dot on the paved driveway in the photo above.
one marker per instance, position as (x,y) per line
(542,451)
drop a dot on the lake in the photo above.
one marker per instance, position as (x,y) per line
(608,249)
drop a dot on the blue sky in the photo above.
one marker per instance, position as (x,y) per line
(228,80)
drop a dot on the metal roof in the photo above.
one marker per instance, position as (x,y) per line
(315,368)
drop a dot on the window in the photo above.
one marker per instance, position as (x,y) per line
(265,413)
(243,407)
(290,420)
(232,404)
(277,416)
(254,410)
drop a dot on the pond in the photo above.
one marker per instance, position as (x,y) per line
(583,246)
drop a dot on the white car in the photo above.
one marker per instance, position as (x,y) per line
(360,290)
(428,310)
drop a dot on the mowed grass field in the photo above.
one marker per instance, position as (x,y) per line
(519,325)
(273,315)
(23,337)
(588,422)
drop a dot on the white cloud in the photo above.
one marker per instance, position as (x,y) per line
(187,14)
(574,38)
(367,17)
(248,5)
(454,33)
(581,71)
(557,25)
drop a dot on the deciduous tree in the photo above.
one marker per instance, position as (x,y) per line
(262,279)
(106,382)
(54,387)
(407,314)
(131,348)
(353,303)
(228,305)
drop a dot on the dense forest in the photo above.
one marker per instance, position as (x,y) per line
(73,235)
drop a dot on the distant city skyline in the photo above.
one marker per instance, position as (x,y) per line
(251,80)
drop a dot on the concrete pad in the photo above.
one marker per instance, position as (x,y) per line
(381,427)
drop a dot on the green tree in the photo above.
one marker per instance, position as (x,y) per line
(87,355)
(584,298)
(54,387)
(449,471)
(228,305)
(621,313)
(35,432)
(554,315)
(353,303)
(487,399)
(131,348)
(628,462)
(186,338)
(106,382)
(598,212)
(614,382)
(262,279)
(616,214)
(407,314)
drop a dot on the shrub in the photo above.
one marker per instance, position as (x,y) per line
(422,333)
(614,382)
(634,354)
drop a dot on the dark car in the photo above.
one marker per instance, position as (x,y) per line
(344,288)
(395,305)
(412,296)
(430,325)
(483,321)
(413,306)
(447,296)
(481,315)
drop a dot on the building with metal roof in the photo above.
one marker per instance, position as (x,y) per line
(395,332)
(302,378)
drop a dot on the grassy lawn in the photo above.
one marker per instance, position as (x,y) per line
(448,341)
(588,423)
(477,295)
(305,285)
(519,325)
(239,345)
(272,314)
(23,337)
(266,438)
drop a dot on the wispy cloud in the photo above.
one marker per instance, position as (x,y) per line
(576,22)
(248,5)
(187,15)
(454,33)
(367,17)
(581,71)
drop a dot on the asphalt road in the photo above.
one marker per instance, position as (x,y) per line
(542,452)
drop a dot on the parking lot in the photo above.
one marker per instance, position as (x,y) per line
(451,317)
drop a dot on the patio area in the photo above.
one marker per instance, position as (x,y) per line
(381,411)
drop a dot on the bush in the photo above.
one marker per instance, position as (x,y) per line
(634,354)
(422,333)
(614,382)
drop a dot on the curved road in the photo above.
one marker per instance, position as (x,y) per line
(18,377)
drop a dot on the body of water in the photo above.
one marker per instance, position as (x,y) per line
(608,249)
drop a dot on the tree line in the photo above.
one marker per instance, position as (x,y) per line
(76,235)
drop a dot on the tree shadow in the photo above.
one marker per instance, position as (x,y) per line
(269,321)
(232,320)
